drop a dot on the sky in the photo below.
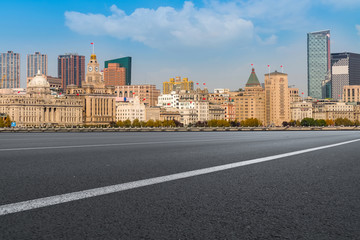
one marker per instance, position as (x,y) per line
(209,41)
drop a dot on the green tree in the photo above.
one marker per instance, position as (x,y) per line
(150,123)
(158,123)
(142,123)
(120,124)
(357,123)
(212,123)
(320,122)
(127,123)
(136,123)
(7,121)
(307,122)
(2,123)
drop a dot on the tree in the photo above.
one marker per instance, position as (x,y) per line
(178,124)
(113,124)
(2,123)
(120,124)
(157,123)
(357,123)
(7,121)
(307,122)
(343,122)
(329,122)
(251,122)
(136,123)
(320,122)
(127,123)
(212,123)
(150,123)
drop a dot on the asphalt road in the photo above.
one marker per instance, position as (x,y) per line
(310,195)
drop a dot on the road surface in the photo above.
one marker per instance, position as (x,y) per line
(191,185)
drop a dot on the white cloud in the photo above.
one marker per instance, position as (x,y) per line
(166,26)
(358,29)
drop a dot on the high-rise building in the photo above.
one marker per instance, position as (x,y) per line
(124,62)
(71,69)
(175,84)
(114,75)
(277,99)
(35,62)
(345,70)
(9,70)
(318,61)
(147,93)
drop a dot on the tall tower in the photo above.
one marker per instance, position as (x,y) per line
(318,61)
(34,63)
(93,74)
(71,69)
(9,70)
(277,99)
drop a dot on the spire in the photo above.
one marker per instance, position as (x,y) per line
(253,81)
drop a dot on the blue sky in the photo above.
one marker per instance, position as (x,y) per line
(205,40)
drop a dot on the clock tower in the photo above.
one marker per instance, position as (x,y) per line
(93,75)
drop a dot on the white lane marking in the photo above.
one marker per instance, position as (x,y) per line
(74,196)
(114,144)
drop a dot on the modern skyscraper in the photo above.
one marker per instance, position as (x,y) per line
(114,75)
(277,99)
(71,69)
(318,61)
(34,63)
(9,70)
(123,62)
(345,70)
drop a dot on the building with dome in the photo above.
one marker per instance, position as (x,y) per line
(37,107)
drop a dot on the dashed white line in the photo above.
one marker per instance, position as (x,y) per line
(74,196)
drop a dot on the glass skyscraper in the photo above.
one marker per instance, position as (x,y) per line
(34,63)
(124,62)
(318,61)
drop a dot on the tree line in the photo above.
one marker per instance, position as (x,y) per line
(5,122)
(310,122)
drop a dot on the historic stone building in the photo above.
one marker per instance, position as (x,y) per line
(99,100)
(39,108)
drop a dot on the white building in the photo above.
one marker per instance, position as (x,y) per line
(131,110)
(301,110)
(168,100)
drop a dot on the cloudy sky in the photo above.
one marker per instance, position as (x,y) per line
(209,41)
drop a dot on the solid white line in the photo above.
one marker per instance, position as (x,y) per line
(112,144)
(74,196)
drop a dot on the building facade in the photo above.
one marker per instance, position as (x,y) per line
(71,70)
(351,93)
(345,70)
(124,62)
(277,99)
(175,84)
(114,75)
(99,100)
(301,110)
(9,70)
(318,61)
(35,62)
(39,108)
(147,93)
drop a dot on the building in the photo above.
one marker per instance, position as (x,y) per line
(39,108)
(124,62)
(175,84)
(99,100)
(131,110)
(294,95)
(71,69)
(35,62)
(301,110)
(332,110)
(9,70)
(351,93)
(114,75)
(345,70)
(216,112)
(318,61)
(277,99)
(147,93)
(251,102)
(55,83)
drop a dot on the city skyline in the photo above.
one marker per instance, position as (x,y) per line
(221,58)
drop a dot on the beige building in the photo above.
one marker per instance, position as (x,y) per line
(175,84)
(351,93)
(39,108)
(294,95)
(251,102)
(216,112)
(131,110)
(147,93)
(277,99)
(99,100)
(333,110)
(301,110)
